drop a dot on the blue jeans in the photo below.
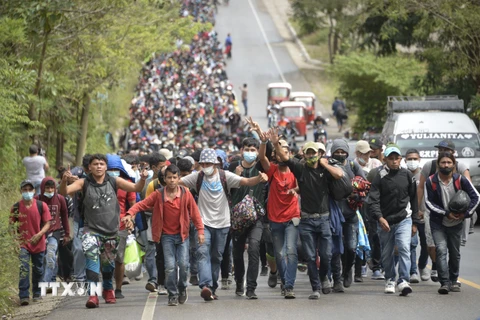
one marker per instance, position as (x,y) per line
(50,273)
(447,240)
(209,256)
(342,264)
(176,253)
(400,235)
(285,237)
(78,255)
(37,272)
(316,235)
(413,254)
(150,262)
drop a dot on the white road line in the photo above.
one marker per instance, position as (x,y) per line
(262,30)
(149,309)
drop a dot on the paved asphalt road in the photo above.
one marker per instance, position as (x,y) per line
(252,63)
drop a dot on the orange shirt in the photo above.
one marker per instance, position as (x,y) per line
(171,214)
(281,206)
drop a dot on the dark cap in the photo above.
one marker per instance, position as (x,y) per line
(196,155)
(446,144)
(26,183)
(375,143)
(78,171)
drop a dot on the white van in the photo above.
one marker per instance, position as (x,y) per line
(422,122)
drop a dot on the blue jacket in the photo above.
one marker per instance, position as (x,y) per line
(434,202)
(115,162)
(336,221)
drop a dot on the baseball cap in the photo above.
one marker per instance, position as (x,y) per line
(375,143)
(283,143)
(314,146)
(196,155)
(446,144)
(392,149)
(26,183)
(363,146)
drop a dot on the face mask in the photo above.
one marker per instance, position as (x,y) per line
(150,174)
(412,165)
(361,161)
(48,194)
(208,170)
(28,195)
(113,173)
(339,158)
(249,156)
(282,164)
(311,162)
(445,171)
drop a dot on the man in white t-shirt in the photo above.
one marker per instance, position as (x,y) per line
(213,204)
(36,166)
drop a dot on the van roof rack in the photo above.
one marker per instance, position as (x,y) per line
(425,103)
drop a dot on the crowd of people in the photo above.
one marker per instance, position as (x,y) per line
(197,190)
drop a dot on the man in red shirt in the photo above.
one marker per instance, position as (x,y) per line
(283,214)
(30,214)
(173,207)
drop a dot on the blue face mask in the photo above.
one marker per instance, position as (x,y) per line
(114,173)
(249,156)
(48,194)
(28,195)
(150,174)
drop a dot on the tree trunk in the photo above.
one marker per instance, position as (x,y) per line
(32,110)
(335,43)
(59,150)
(82,138)
(330,33)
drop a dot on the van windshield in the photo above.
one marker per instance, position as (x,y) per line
(279,93)
(466,144)
(308,101)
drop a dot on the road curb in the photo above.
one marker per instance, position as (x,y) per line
(299,42)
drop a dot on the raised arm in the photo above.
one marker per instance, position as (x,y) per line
(131,187)
(278,148)
(253,181)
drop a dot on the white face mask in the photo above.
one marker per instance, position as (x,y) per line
(412,165)
(208,170)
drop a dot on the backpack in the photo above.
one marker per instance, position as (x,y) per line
(457,183)
(433,169)
(16,207)
(246,213)
(223,180)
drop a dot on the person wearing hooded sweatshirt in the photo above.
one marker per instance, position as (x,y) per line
(58,210)
(126,200)
(342,264)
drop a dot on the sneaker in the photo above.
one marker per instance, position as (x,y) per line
(377,275)
(225,285)
(139,277)
(151,286)
(425,274)
(289,294)
(251,295)
(125,281)
(389,287)
(240,290)
(404,288)
(194,280)
(109,296)
(347,279)
(264,271)
(162,291)
(37,298)
(434,275)
(183,296)
(302,267)
(455,288)
(24,301)
(173,301)
(230,279)
(358,278)
(444,289)
(414,278)
(364,271)
(463,243)
(272,279)
(282,290)
(92,302)
(215,297)
(206,294)
(338,287)
(314,296)
(326,286)
(118,294)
